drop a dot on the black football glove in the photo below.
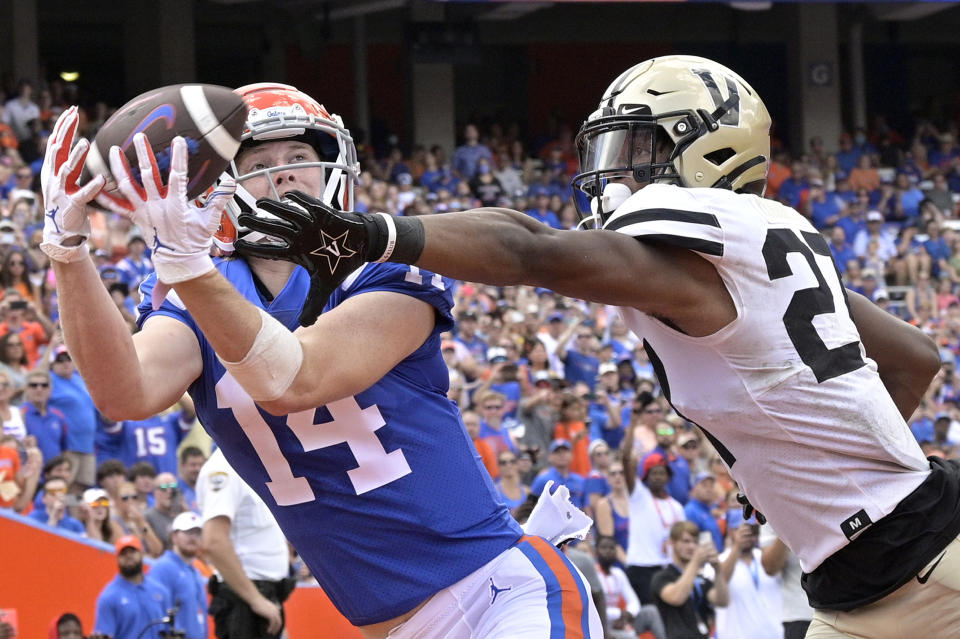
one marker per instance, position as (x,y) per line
(749,510)
(329,243)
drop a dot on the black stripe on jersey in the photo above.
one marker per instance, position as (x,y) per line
(669,215)
(661,373)
(701,246)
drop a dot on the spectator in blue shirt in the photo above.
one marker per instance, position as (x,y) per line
(937,248)
(466,156)
(561,454)
(580,364)
(841,249)
(53,512)
(69,395)
(467,335)
(825,208)
(191,461)
(847,156)
(176,572)
(541,210)
(699,508)
(135,266)
(132,605)
(47,424)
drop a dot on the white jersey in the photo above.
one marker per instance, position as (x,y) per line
(785,392)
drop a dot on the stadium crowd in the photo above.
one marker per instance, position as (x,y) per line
(551,388)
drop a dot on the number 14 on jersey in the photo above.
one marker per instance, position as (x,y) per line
(349,424)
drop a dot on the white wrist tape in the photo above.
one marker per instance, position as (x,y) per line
(179,268)
(270,366)
(66,254)
(391,237)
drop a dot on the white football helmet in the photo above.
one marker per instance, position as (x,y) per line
(279,111)
(679,120)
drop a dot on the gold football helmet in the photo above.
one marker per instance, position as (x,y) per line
(678,120)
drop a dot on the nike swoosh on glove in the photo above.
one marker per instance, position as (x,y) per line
(65,225)
(181,231)
(330,244)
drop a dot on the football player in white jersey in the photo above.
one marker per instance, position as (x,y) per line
(802,386)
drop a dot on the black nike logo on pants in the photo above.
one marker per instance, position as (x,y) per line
(923,578)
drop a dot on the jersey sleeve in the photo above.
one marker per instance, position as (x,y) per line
(671,215)
(421,284)
(172,305)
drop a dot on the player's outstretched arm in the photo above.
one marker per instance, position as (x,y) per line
(125,380)
(500,247)
(906,358)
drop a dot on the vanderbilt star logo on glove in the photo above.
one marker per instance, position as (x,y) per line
(334,249)
(330,244)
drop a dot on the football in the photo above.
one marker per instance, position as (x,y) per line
(209,117)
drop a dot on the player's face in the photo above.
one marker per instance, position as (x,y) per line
(623,151)
(278,173)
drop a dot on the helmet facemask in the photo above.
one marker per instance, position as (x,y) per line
(619,155)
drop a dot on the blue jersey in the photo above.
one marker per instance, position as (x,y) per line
(382,494)
(153,440)
(188,589)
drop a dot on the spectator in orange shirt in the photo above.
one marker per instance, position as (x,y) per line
(864,176)
(18,481)
(472,421)
(15,275)
(778,172)
(33,334)
(573,428)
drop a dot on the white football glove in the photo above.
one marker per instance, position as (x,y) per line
(179,233)
(65,226)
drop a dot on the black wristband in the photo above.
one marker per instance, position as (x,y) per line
(408,242)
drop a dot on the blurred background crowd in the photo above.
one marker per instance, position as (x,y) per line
(549,386)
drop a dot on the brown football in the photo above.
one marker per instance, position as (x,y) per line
(209,117)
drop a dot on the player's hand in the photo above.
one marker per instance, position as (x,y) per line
(269,611)
(749,510)
(182,232)
(329,243)
(65,225)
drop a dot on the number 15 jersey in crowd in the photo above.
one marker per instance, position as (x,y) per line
(382,493)
(785,392)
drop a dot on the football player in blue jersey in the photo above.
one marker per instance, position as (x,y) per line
(802,386)
(343,428)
